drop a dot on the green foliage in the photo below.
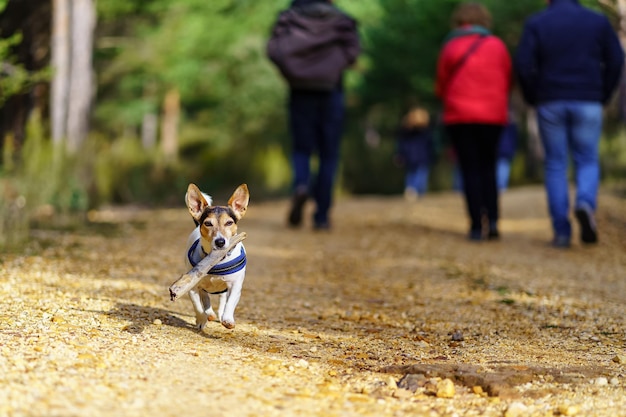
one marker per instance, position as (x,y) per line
(213,53)
(613,157)
(45,186)
(402,52)
(509,18)
(125,172)
(367,167)
(52,177)
(14,78)
(13,220)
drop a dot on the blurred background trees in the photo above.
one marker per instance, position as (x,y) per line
(127,102)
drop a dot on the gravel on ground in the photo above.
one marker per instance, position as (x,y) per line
(391,313)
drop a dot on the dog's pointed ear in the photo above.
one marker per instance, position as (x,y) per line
(196,203)
(238,202)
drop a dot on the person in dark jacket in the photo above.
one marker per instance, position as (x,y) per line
(415,151)
(569,61)
(312,43)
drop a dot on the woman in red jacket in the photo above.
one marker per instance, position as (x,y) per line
(473,81)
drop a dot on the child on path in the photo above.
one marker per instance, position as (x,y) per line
(415,151)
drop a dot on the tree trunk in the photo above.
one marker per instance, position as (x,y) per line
(150,121)
(621,9)
(149,130)
(169,126)
(61,65)
(81,74)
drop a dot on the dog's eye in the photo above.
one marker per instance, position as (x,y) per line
(230,223)
(207,223)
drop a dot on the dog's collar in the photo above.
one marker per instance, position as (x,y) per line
(224,268)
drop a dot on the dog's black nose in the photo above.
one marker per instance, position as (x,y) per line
(220,242)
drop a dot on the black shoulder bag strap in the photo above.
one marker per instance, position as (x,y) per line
(473,47)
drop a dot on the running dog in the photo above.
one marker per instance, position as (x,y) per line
(215,225)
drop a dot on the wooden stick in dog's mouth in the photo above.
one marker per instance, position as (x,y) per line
(189,280)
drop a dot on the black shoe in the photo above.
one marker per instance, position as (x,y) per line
(475,235)
(321,226)
(493,233)
(588,233)
(297,205)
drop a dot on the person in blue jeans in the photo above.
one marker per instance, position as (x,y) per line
(316,126)
(312,43)
(569,61)
(415,151)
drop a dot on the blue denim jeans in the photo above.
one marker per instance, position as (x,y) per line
(316,125)
(503,172)
(416,178)
(570,128)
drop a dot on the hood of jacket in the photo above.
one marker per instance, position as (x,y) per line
(299,3)
(316,9)
(552,2)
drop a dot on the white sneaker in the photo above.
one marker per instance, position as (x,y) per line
(410,194)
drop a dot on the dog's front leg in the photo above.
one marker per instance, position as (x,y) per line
(232,299)
(196,301)
(206,303)
(220,309)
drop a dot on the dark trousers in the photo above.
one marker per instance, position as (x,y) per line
(477,148)
(316,124)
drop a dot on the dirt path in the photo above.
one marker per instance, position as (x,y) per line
(329,323)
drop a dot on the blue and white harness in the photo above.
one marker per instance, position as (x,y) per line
(196,253)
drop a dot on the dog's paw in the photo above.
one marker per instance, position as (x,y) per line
(229,324)
(201,321)
(210,314)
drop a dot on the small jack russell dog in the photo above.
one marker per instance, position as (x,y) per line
(215,226)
